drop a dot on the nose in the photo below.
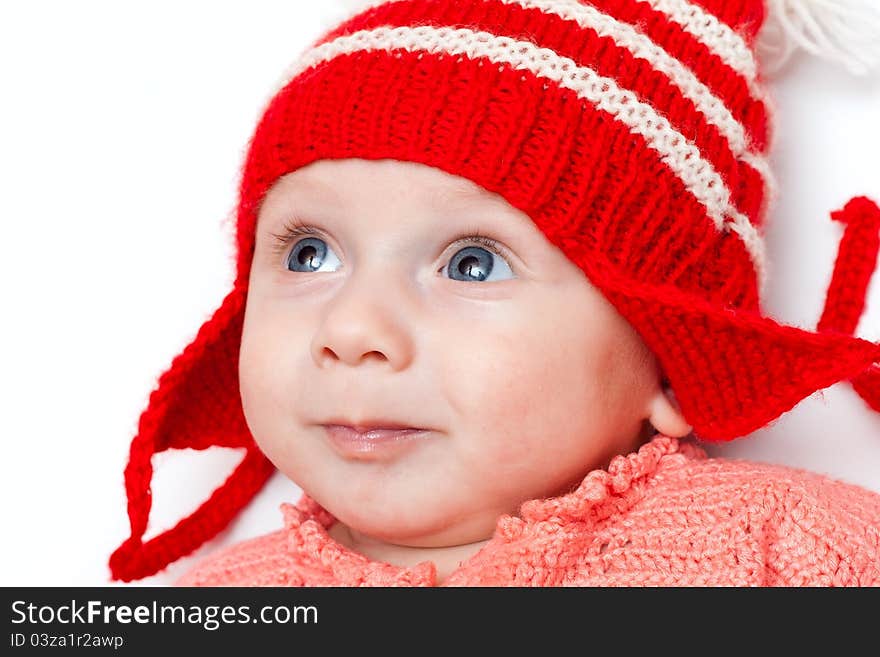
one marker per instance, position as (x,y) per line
(365,320)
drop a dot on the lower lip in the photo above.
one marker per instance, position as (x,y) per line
(375,443)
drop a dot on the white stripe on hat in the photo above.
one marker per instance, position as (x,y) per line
(642,47)
(681,155)
(715,35)
(708,29)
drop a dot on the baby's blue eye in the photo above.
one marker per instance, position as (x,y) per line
(476,264)
(310,255)
(470,264)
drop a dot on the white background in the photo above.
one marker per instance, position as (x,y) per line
(122,129)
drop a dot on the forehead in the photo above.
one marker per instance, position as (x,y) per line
(339,182)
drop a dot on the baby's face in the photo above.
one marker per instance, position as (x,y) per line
(389,312)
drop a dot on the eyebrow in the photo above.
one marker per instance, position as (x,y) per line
(328,189)
(440,197)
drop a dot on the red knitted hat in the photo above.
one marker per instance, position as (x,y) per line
(635,134)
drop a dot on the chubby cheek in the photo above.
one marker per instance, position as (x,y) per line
(526,401)
(269,385)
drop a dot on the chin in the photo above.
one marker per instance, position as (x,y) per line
(390,523)
(410,526)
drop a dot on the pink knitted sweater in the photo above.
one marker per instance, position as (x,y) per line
(665,515)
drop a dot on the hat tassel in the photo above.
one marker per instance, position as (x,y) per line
(845,300)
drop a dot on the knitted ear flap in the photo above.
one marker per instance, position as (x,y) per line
(735,370)
(196,405)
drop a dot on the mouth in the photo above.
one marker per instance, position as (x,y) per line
(372,440)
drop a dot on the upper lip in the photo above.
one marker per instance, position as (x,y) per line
(370,424)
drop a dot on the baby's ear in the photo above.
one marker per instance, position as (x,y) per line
(665,414)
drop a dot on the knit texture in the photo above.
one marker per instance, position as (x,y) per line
(666,515)
(634,133)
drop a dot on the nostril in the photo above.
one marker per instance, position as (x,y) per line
(328,354)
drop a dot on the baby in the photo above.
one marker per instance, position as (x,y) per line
(426,360)
(499,270)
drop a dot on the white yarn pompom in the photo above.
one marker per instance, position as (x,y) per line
(845,31)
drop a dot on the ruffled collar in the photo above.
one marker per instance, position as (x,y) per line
(601,493)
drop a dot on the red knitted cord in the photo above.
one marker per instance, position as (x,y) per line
(847,292)
(856,262)
(153,436)
(184,389)
(135,560)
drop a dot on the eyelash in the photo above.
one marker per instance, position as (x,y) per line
(290,231)
(293,229)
